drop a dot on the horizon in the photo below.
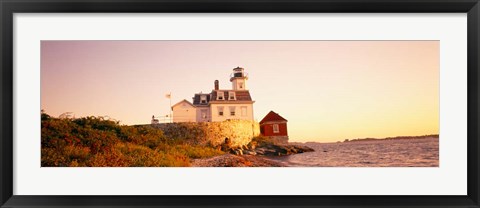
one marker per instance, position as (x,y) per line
(323,97)
(306,141)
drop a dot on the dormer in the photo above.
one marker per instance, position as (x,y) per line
(203,99)
(231,95)
(220,95)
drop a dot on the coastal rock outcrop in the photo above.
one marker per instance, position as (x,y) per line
(281,150)
(270,149)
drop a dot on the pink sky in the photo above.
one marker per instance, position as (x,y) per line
(327,90)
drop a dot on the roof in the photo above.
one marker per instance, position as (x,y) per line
(240,95)
(272,116)
(182,102)
(196,99)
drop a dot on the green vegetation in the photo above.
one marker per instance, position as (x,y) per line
(96,142)
(260,141)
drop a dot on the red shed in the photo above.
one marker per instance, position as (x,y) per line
(275,127)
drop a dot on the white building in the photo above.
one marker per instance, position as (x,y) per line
(220,104)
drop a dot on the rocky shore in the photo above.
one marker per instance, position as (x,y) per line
(229,160)
(251,155)
(272,150)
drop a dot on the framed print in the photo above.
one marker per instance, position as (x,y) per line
(239,104)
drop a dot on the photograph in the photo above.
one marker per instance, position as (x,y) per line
(229,103)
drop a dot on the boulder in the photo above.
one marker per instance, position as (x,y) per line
(249,152)
(281,150)
(237,151)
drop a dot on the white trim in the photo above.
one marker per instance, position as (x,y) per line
(221,109)
(276,128)
(184,100)
(230,93)
(232,111)
(273,122)
(203,98)
(220,94)
(231,102)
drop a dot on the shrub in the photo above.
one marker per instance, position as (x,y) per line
(143,135)
(95,142)
(261,141)
(195,152)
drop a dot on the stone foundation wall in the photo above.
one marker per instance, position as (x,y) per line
(240,132)
(279,139)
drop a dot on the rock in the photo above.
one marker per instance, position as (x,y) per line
(260,151)
(252,145)
(229,160)
(225,147)
(249,152)
(303,148)
(281,150)
(237,151)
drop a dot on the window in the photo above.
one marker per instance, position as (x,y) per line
(231,95)
(232,111)
(204,113)
(220,95)
(203,99)
(275,128)
(244,110)
(220,111)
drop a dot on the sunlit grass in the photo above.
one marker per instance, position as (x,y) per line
(95,142)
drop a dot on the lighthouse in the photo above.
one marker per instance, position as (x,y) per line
(239,79)
(220,104)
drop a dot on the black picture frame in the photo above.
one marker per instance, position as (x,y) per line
(9,7)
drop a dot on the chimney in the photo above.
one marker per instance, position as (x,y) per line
(216,84)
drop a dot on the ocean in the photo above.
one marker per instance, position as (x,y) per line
(423,152)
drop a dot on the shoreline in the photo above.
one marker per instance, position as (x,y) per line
(418,152)
(371,139)
(230,160)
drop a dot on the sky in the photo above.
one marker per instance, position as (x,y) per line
(327,90)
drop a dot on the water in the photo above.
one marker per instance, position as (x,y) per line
(381,153)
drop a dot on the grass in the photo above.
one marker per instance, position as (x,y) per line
(260,141)
(96,142)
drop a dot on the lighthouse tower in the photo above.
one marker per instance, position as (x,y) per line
(239,79)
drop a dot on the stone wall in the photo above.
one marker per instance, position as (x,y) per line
(279,139)
(240,132)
